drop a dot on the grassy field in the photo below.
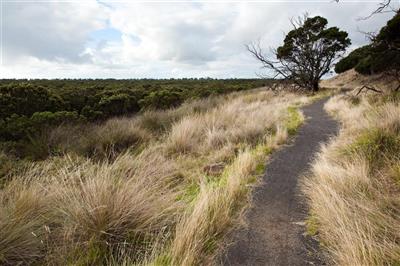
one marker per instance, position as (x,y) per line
(29,108)
(160,188)
(355,183)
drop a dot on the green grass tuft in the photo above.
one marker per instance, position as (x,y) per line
(312,225)
(376,145)
(294,120)
(190,194)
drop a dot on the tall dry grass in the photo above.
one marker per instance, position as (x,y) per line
(199,230)
(74,209)
(168,185)
(354,189)
(116,135)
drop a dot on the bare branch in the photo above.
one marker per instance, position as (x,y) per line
(383,7)
(368,88)
(370,35)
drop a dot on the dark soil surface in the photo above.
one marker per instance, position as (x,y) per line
(275,224)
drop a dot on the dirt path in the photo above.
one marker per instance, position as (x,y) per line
(274,234)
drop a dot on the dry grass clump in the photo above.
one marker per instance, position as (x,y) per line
(198,231)
(185,134)
(354,190)
(149,200)
(81,211)
(103,141)
(21,221)
(241,120)
(160,121)
(6,165)
(116,135)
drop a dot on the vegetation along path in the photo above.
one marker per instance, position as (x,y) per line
(275,231)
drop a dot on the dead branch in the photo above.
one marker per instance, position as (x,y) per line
(366,87)
(383,7)
(369,35)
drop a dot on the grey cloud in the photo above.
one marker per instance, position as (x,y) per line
(50,31)
(188,43)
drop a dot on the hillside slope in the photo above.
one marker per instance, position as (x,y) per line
(351,80)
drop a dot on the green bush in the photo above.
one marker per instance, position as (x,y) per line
(15,127)
(91,114)
(118,104)
(18,127)
(26,99)
(353,59)
(382,55)
(365,66)
(161,100)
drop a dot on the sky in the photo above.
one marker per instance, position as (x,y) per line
(158,39)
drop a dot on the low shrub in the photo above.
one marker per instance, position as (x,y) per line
(162,99)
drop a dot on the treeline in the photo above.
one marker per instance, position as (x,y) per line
(29,107)
(381,55)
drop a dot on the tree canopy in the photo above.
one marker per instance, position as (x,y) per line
(381,55)
(307,53)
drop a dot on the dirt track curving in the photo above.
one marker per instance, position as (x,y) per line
(275,229)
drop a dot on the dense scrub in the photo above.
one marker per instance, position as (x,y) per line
(381,55)
(169,185)
(354,189)
(354,59)
(29,108)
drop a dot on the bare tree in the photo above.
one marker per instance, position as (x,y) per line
(307,53)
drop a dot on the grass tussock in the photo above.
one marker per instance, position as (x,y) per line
(68,208)
(117,135)
(354,191)
(199,230)
(165,190)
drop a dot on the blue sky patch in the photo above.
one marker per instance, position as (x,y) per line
(107,34)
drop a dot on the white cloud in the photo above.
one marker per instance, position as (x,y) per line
(50,30)
(180,33)
(156,39)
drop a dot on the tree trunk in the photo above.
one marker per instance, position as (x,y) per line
(315,87)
